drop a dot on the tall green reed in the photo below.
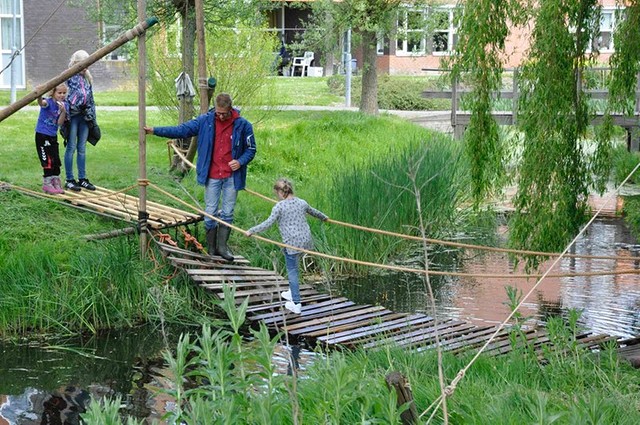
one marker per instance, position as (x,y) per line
(379,194)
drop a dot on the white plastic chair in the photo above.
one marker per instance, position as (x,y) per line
(302,62)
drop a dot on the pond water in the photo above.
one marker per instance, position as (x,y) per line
(49,384)
(609,304)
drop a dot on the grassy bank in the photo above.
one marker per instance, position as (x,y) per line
(317,150)
(216,379)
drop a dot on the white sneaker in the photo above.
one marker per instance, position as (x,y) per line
(293,307)
(286,295)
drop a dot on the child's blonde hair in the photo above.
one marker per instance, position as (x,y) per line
(79,56)
(56,88)
(284,185)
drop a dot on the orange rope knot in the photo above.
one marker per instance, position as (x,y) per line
(143,182)
(189,239)
(166,238)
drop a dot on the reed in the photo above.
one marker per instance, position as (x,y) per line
(378,194)
(216,380)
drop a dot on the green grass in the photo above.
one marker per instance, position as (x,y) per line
(311,148)
(308,91)
(217,379)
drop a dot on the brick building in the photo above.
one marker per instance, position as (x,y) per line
(52,31)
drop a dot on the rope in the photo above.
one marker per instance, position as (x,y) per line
(390,267)
(70,198)
(429,240)
(459,244)
(17,52)
(451,388)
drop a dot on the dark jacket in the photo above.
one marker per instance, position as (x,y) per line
(243,144)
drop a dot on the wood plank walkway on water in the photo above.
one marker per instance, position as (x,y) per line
(123,206)
(335,322)
(329,321)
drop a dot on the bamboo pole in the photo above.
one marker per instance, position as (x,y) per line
(142,137)
(136,31)
(202,71)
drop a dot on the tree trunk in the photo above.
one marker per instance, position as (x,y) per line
(369,99)
(188,66)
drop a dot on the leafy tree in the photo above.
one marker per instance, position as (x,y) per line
(478,62)
(555,172)
(367,19)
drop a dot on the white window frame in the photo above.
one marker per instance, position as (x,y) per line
(21,84)
(607,29)
(450,30)
(425,45)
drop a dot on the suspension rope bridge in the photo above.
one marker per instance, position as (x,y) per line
(326,320)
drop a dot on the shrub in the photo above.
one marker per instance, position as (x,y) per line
(399,93)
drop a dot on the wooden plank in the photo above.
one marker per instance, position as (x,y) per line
(327,311)
(467,340)
(356,322)
(213,262)
(233,278)
(418,334)
(374,329)
(329,323)
(237,259)
(258,300)
(276,304)
(275,290)
(415,330)
(463,328)
(323,303)
(262,284)
(324,320)
(237,272)
(310,312)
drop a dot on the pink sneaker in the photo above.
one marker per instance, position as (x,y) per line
(47,187)
(57,184)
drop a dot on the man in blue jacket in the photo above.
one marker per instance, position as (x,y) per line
(226,144)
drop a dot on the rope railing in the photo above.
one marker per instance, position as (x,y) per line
(392,267)
(451,388)
(431,240)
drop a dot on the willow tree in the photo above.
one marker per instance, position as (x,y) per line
(480,52)
(555,172)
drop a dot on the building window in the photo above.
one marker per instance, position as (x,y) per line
(604,41)
(8,44)
(426,31)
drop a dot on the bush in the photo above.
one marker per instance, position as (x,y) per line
(399,93)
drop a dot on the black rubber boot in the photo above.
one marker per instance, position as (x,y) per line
(223,237)
(212,241)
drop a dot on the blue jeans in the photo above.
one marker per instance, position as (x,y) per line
(212,192)
(292,261)
(78,133)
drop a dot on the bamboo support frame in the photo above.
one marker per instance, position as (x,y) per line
(136,31)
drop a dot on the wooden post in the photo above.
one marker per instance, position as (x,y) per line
(142,137)
(94,57)
(454,108)
(514,98)
(202,70)
(399,383)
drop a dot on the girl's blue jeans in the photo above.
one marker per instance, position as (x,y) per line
(78,133)
(214,189)
(292,261)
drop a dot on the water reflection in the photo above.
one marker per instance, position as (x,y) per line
(610,304)
(49,384)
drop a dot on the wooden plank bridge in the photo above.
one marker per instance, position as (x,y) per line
(337,322)
(326,320)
